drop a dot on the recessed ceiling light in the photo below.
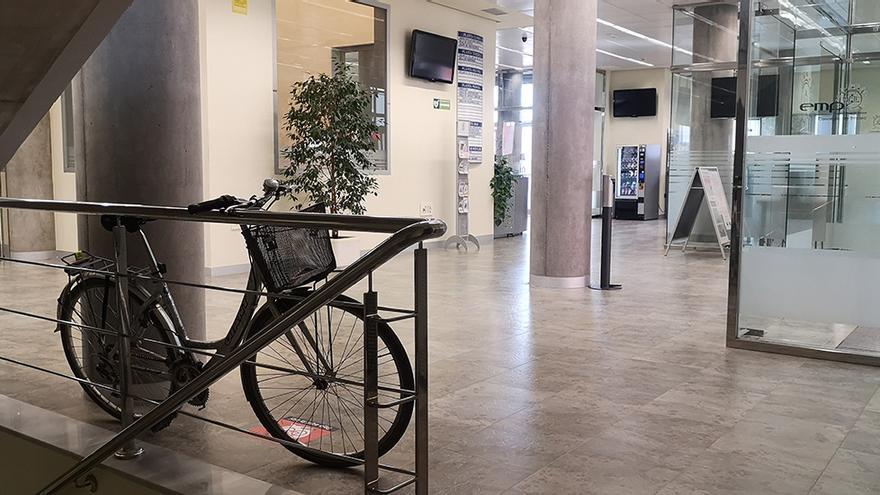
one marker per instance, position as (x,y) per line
(621,57)
(520,52)
(643,36)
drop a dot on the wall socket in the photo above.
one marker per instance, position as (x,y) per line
(426,209)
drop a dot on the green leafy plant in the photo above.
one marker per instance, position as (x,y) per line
(332,134)
(502,188)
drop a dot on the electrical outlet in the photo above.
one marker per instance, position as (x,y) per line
(426,209)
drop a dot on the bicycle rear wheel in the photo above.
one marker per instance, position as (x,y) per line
(92,352)
(319,403)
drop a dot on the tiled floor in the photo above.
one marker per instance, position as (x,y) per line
(548,391)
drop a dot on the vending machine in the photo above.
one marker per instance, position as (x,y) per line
(638,182)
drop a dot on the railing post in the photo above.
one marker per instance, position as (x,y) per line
(371,389)
(421,351)
(123,344)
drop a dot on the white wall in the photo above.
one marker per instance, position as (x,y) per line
(642,130)
(237,113)
(238,120)
(63,184)
(422,140)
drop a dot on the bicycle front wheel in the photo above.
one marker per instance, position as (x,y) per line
(307,386)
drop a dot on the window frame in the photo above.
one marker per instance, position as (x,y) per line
(388,63)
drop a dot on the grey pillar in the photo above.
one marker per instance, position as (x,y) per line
(718,41)
(141,117)
(29,175)
(565,79)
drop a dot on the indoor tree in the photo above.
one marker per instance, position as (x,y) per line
(332,134)
(502,184)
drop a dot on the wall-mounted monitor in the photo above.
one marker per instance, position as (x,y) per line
(723,104)
(433,57)
(768,96)
(635,102)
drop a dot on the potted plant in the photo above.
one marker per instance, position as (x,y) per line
(502,184)
(332,135)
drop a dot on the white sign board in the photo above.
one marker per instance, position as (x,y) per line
(705,188)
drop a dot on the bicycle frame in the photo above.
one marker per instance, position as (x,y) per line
(240,326)
(165,300)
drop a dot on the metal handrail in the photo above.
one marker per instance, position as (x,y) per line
(353,223)
(405,233)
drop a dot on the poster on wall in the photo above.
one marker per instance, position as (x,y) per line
(470,90)
(508,134)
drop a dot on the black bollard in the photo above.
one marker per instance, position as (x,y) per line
(607,218)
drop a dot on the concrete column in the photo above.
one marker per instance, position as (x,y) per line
(565,80)
(715,35)
(29,175)
(140,105)
(718,41)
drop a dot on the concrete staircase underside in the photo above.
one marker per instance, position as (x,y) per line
(43,43)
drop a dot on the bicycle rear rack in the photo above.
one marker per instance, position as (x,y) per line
(405,232)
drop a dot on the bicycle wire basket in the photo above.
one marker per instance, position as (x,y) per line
(290,257)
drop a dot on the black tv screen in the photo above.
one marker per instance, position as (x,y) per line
(768,96)
(433,57)
(724,97)
(635,102)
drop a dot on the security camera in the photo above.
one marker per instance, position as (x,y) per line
(525,38)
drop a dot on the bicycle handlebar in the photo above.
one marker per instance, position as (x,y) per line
(220,203)
(271,190)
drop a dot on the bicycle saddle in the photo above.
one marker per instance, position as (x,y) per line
(131,224)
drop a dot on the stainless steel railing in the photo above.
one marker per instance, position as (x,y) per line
(405,232)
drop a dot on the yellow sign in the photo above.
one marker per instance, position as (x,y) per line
(240,6)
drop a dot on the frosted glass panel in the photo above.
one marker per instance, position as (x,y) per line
(810,260)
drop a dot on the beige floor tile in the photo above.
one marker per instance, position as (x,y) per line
(850,473)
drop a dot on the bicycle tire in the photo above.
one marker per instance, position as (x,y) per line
(391,435)
(159,330)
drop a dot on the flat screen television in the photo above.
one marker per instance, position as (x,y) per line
(723,104)
(635,102)
(433,57)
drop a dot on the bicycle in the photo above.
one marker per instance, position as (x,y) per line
(314,374)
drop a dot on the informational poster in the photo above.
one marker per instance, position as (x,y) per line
(471,69)
(508,134)
(715,194)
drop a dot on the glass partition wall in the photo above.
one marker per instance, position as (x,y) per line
(513,122)
(701,132)
(805,264)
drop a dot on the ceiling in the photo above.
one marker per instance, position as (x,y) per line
(617,49)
